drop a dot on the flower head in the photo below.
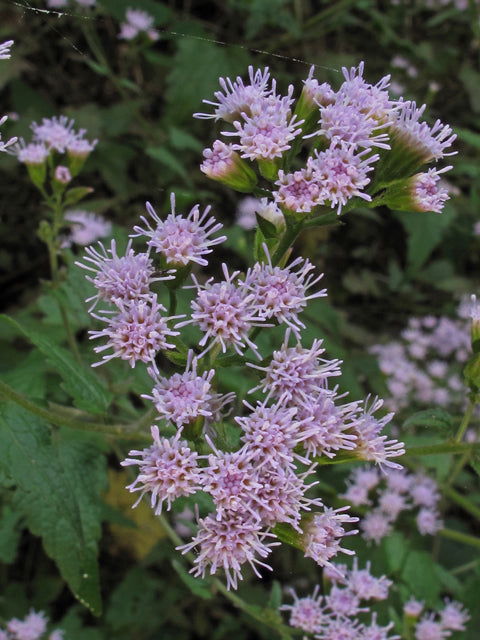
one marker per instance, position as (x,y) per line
(225,313)
(228,544)
(5,49)
(136,333)
(86,227)
(282,293)
(57,133)
(123,278)
(184,397)
(31,628)
(323,534)
(137,21)
(178,239)
(295,374)
(168,470)
(238,98)
(306,613)
(33,153)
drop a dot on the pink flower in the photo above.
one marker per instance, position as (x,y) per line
(296,374)
(136,333)
(31,628)
(183,398)
(375,526)
(228,544)
(413,607)
(181,240)
(168,470)
(225,313)
(428,629)
(85,227)
(282,293)
(306,613)
(322,535)
(454,616)
(429,521)
(119,278)
(238,98)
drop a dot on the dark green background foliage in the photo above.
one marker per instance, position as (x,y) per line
(58,545)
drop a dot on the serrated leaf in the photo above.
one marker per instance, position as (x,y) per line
(437,419)
(86,389)
(198,586)
(58,482)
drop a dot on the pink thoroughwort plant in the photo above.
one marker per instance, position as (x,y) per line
(310,160)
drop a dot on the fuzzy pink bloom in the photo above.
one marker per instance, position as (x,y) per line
(282,293)
(136,333)
(56,133)
(370,444)
(33,153)
(413,607)
(428,629)
(425,192)
(342,174)
(181,240)
(231,481)
(168,470)
(85,227)
(268,132)
(184,397)
(62,174)
(366,586)
(454,616)
(32,627)
(424,491)
(429,521)
(306,613)
(219,161)
(324,425)
(376,632)
(137,21)
(375,526)
(299,191)
(323,535)
(429,142)
(392,503)
(225,313)
(343,602)
(320,94)
(281,496)
(228,544)
(238,98)
(295,374)
(119,278)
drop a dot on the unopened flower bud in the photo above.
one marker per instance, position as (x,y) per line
(418,193)
(62,175)
(225,165)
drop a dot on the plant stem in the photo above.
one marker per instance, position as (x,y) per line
(464,424)
(458,536)
(62,420)
(463,502)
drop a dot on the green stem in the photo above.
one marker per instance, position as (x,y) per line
(458,536)
(463,568)
(286,242)
(464,424)
(443,447)
(62,420)
(463,502)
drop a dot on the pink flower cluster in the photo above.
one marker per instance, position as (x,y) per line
(424,368)
(334,616)
(137,328)
(388,496)
(347,125)
(436,625)
(32,627)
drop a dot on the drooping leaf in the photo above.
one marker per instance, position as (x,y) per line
(58,481)
(436,419)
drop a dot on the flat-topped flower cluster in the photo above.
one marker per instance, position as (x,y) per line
(360,144)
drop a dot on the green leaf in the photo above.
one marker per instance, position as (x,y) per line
(268,229)
(436,419)
(425,231)
(168,159)
(72,196)
(58,482)
(10,532)
(198,586)
(420,574)
(86,389)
